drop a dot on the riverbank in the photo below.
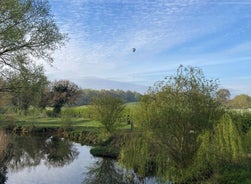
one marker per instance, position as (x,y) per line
(104,145)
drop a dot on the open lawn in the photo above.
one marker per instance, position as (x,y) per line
(15,120)
(80,116)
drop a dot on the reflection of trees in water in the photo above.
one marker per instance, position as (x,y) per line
(104,171)
(29,151)
(107,171)
(4,141)
(59,152)
(25,151)
(3,173)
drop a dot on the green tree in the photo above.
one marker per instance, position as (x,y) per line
(46,96)
(63,92)
(221,151)
(108,110)
(242,101)
(4,94)
(27,28)
(223,96)
(171,117)
(26,86)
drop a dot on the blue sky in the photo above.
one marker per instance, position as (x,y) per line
(214,35)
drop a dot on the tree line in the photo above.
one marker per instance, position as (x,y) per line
(30,88)
(242,101)
(86,95)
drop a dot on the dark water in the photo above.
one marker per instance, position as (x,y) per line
(51,160)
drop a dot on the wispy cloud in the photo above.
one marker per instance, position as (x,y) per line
(165,34)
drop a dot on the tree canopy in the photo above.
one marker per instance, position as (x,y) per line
(62,92)
(242,101)
(108,109)
(171,117)
(26,86)
(27,29)
(223,96)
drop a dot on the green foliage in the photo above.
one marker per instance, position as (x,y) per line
(223,96)
(172,117)
(105,151)
(235,173)
(26,86)
(242,101)
(228,140)
(108,110)
(63,92)
(137,153)
(4,96)
(4,140)
(80,112)
(50,113)
(247,142)
(220,150)
(27,29)
(66,117)
(242,120)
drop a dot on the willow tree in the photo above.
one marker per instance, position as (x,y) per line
(27,28)
(171,117)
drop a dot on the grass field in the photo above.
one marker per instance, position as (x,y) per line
(71,116)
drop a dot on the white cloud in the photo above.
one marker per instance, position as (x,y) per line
(103,34)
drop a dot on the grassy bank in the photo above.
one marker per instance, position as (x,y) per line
(75,123)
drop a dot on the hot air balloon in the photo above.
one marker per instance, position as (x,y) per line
(133,49)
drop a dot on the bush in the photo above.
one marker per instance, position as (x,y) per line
(242,120)
(50,113)
(105,151)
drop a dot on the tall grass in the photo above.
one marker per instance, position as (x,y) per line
(4,140)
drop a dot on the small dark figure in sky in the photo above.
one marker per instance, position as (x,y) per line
(133,49)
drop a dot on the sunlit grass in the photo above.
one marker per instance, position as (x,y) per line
(77,117)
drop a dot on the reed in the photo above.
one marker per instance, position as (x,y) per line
(4,140)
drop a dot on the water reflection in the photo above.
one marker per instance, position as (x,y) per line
(105,171)
(29,151)
(4,140)
(3,173)
(60,152)
(50,159)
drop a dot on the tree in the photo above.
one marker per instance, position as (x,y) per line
(242,101)
(223,96)
(26,86)
(4,95)
(27,29)
(63,92)
(108,110)
(171,117)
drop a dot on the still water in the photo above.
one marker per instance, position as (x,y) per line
(52,160)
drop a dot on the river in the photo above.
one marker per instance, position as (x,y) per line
(53,160)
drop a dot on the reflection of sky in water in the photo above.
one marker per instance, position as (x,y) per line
(42,174)
(75,172)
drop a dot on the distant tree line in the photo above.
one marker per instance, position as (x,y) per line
(242,101)
(29,87)
(86,95)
